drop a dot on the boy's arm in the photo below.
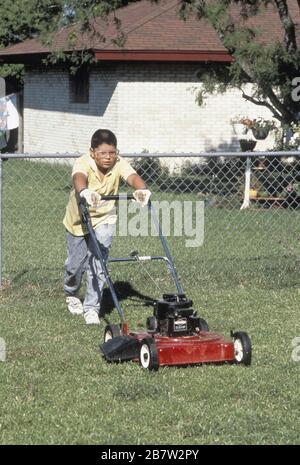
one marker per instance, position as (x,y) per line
(81,187)
(79,181)
(141,193)
(135,181)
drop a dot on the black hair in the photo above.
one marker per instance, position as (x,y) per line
(103,136)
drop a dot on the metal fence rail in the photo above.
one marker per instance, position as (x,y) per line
(251,207)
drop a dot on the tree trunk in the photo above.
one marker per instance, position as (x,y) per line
(288,25)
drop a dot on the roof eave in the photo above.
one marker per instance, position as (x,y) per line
(162,55)
(128,55)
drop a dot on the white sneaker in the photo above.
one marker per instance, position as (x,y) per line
(91,317)
(74,305)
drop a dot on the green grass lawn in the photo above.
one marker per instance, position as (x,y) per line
(55,387)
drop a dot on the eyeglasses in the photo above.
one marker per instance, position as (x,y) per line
(101,154)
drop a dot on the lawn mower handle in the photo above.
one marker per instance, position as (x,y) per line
(118,197)
(159,230)
(86,219)
(166,249)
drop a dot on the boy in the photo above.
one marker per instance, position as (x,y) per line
(95,174)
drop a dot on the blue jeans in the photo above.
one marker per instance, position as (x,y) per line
(80,259)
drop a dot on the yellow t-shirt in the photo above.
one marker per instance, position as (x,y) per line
(107,184)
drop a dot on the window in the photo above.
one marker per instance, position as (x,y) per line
(79,86)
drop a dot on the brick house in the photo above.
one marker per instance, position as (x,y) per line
(144,92)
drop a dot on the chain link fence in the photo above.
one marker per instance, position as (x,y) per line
(251,217)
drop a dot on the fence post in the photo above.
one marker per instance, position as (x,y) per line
(246,202)
(1,236)
(2,94)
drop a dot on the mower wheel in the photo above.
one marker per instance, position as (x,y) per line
(203,325)
(148,354)
(111,331)
(151,323)
(242,348)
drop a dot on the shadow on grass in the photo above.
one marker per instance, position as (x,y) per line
(124,290)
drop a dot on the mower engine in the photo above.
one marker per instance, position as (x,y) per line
(174,316)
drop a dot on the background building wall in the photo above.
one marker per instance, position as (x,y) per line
(150,106)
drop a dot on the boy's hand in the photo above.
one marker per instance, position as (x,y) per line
(93,198)
(142,196)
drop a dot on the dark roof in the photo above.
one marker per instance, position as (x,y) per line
(153,31)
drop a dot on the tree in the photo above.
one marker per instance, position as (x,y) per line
(25,19)
(272,68)
(82,17)
(20,20)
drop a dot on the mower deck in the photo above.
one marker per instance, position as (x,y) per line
(204,347)
(155,350)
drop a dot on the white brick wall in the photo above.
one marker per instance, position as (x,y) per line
(149,106)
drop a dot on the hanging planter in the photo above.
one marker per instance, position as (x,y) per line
(259,127)
(260,133)
(239,130)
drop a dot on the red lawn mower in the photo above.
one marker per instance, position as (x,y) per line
(175,334)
